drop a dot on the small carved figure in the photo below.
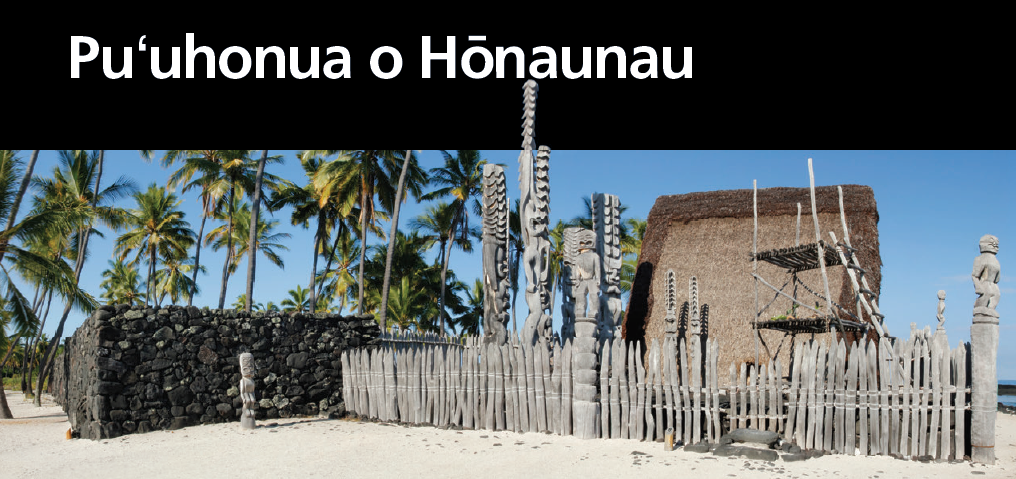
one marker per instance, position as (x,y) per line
(941,309)
(987,272)
(693,322)
(586,276)
(671,301)
(247,390)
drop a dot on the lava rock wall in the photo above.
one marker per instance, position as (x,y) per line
(136,369)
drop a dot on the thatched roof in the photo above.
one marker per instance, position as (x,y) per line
(709,235)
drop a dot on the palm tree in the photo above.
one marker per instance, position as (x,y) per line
(298,300)
(157,230)
(630,249)
(223,175)
(470,321)
(336,283)
(75,185)
(462,178)
(364,174)
(241,303)
(196,161)
(7,156)
(267,240)
(52,219)
(172,279)
(121,284)
(252,234)
(399,197)
(307,205)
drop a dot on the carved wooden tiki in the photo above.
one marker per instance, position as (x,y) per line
(582,294)
(496,294)
(247,390)
(606,219)
(534,212)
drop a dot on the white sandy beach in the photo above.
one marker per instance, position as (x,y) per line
(34,445)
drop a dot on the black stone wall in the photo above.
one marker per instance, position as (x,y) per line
(135,369)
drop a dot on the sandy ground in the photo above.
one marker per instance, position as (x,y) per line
(34,445)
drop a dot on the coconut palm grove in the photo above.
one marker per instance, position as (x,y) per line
(366,259)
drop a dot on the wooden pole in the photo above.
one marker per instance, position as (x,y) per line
(754,259)
(818,241)
(797,238)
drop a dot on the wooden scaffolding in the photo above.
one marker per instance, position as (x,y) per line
(817,255)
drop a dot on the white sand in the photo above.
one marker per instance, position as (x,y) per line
(34,445)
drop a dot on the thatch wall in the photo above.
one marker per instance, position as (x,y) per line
(709,235)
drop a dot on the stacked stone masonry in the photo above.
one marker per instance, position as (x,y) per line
(136,369)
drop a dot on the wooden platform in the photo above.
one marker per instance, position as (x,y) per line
(800,258)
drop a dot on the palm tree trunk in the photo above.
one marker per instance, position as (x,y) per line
(5,410)
(363,244)
(253,239)
(47,359)
(391,241)
(444,267)
(197,250)
(229,250)
(318,243)
(151,277)
(331,256)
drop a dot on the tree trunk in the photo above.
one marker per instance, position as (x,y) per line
(47,359)
(331,256)
(444,267)
(229,251)
(255,212)
(5,410)
(151,278)
(318,243)
(391,241)
(197,251)
(363,244)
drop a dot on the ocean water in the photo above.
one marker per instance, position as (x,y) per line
(1007,400)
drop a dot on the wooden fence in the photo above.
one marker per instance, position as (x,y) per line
(903,397)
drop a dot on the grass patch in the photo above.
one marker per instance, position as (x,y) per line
(13,383)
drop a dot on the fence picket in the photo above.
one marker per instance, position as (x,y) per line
(640,411)
(905,405)
(874,409)
(566,388)
(922,446)
(715,383)
(605,353)
(622,373)
(961,400)
(616,353)
(946,412)
(685,393)
(655,385)
(839,427)
(792,394)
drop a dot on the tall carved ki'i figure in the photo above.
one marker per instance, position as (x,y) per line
(496,291)
(984,353)
(606,219)
(534,214)
(585,288)
(247,391)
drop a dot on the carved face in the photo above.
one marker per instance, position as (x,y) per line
(247,365)
(587,240)
(989,244)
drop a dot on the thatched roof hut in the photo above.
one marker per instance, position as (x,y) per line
(709,235)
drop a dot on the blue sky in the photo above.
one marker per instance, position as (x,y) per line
(933,208)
